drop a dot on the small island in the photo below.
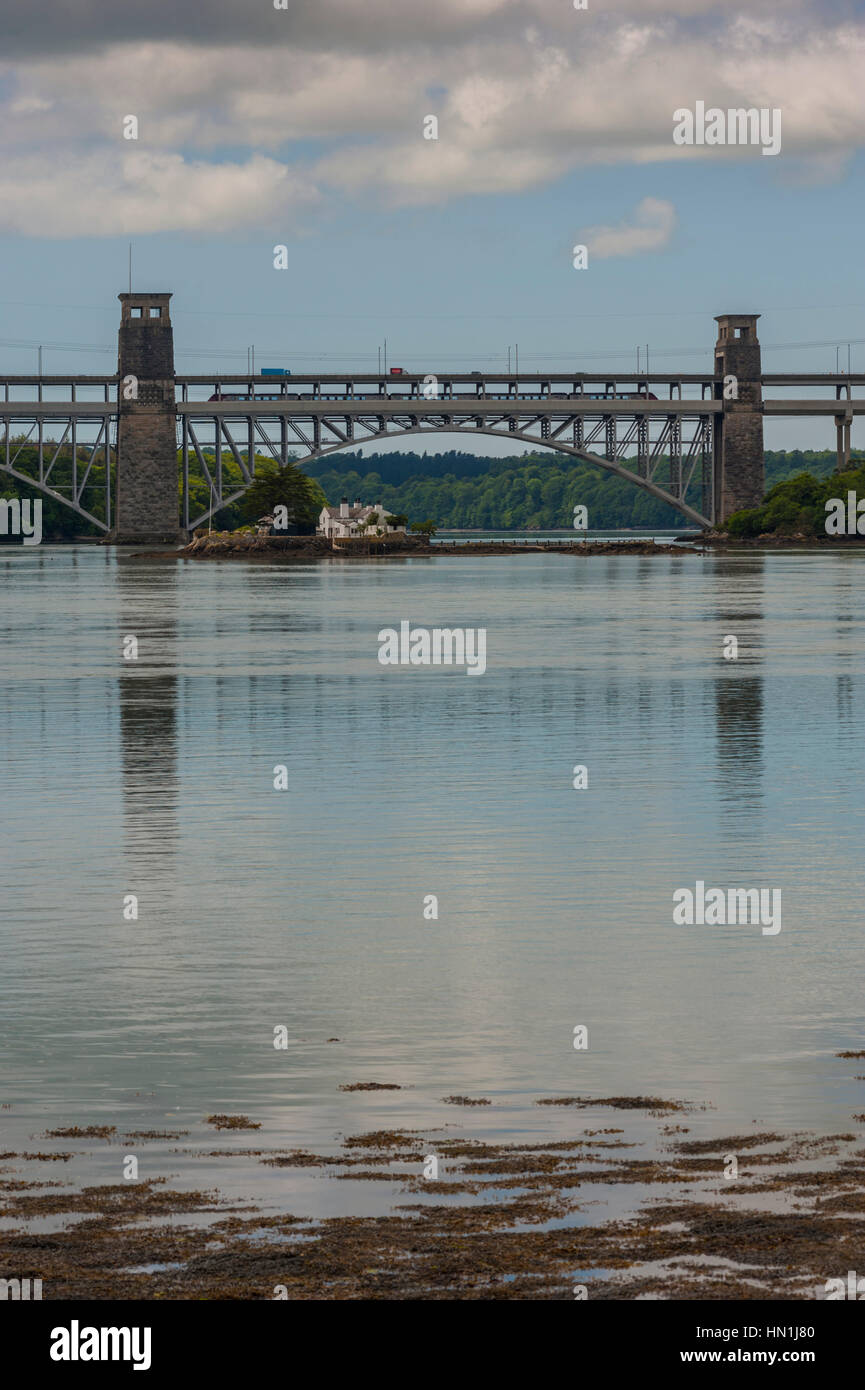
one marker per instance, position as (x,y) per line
(298,523)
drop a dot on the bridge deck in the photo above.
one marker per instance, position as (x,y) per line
(462,407)
(458,406)
(600,379)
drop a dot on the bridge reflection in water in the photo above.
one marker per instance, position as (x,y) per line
(148,701)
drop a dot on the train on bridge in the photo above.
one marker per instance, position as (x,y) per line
(268,395)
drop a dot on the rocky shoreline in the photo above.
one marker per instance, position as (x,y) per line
(242,545)
(247,545)
(770,540)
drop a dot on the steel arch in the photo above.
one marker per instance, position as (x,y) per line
(586,456)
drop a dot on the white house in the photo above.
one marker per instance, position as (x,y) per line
(336,523)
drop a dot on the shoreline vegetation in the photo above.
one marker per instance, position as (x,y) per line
(525,1215)
(797,511)
(531,492)
(778,540)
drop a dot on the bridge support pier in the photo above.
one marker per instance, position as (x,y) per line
(147,506)
(842,442)
(740,478)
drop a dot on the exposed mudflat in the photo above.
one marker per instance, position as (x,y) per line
(745,1216)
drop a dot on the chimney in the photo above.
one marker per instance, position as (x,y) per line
(357,504)
(380,509)
(343,507)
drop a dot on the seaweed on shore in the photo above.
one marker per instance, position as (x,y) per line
(511,1233)
(231,1122)
(371,1086)
(87,1132)
(653,1103)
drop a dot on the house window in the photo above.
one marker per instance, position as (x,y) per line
(156,312)
(137,313)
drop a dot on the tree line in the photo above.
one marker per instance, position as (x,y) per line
(453,489)
(797,505)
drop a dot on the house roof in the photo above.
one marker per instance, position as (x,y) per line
(354,513)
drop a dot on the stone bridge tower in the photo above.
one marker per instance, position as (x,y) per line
(147,508)
(739,466)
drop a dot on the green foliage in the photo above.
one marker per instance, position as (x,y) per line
(59,523)
(424,528)
(781,465)
(458,490)
(797,505)
(462,491)
(532,490)
(283,487)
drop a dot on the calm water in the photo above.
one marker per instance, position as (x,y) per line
(303,908)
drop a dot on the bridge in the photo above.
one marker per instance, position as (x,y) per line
(692,440)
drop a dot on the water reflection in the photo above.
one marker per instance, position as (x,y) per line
(304,908)
(148,695)
(738,690)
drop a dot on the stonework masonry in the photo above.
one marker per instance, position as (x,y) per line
(147,508)
(739,465)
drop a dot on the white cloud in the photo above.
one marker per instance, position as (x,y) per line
(654,221)
(140,193)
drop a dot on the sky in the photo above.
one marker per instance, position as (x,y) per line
(304,126)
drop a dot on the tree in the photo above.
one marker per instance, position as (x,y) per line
(424,528)
(286,487)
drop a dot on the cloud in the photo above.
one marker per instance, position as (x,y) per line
(140,193)
(370,27)
(327,98)
(653,224)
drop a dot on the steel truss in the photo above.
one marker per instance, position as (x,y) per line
(659,448)
(83,456)
(659,451)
